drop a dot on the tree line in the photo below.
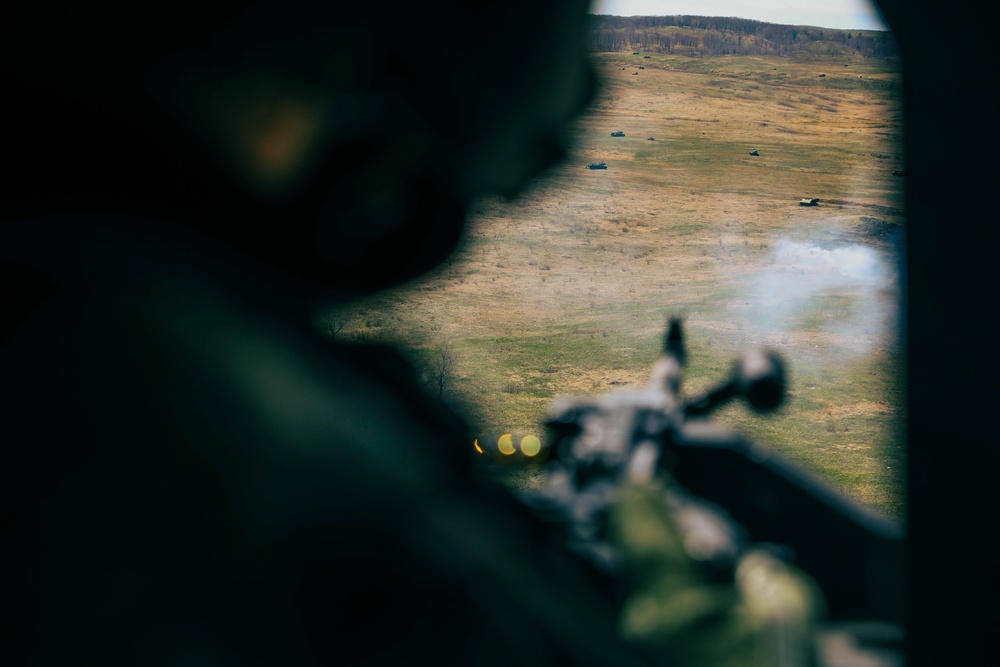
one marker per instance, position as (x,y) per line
(706,35)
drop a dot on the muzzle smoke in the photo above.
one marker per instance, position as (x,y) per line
(838,299)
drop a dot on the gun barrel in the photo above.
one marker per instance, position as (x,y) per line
(855,556)
(758,377)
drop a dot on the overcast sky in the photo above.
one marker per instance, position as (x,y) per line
(846,14)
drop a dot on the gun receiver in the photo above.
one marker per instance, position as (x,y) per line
(855,556)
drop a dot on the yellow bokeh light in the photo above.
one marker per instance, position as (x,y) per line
(475,443)
(506,444)
(531,445)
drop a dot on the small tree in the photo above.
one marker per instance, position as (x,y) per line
(439,369)
(332,322)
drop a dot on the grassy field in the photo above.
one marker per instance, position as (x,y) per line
(567,289)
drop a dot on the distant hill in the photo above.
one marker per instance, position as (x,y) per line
(706,35)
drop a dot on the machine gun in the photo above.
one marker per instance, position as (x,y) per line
(754,497)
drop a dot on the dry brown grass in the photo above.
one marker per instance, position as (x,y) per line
(567,289)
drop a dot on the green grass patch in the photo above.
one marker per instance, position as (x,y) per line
(567,288)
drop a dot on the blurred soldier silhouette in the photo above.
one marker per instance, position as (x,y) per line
(192,475)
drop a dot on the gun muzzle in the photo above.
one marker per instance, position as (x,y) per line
(761,378)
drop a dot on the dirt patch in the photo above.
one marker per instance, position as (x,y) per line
(877,229)
(862,409)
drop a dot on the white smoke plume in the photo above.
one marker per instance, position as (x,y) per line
(841,299)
